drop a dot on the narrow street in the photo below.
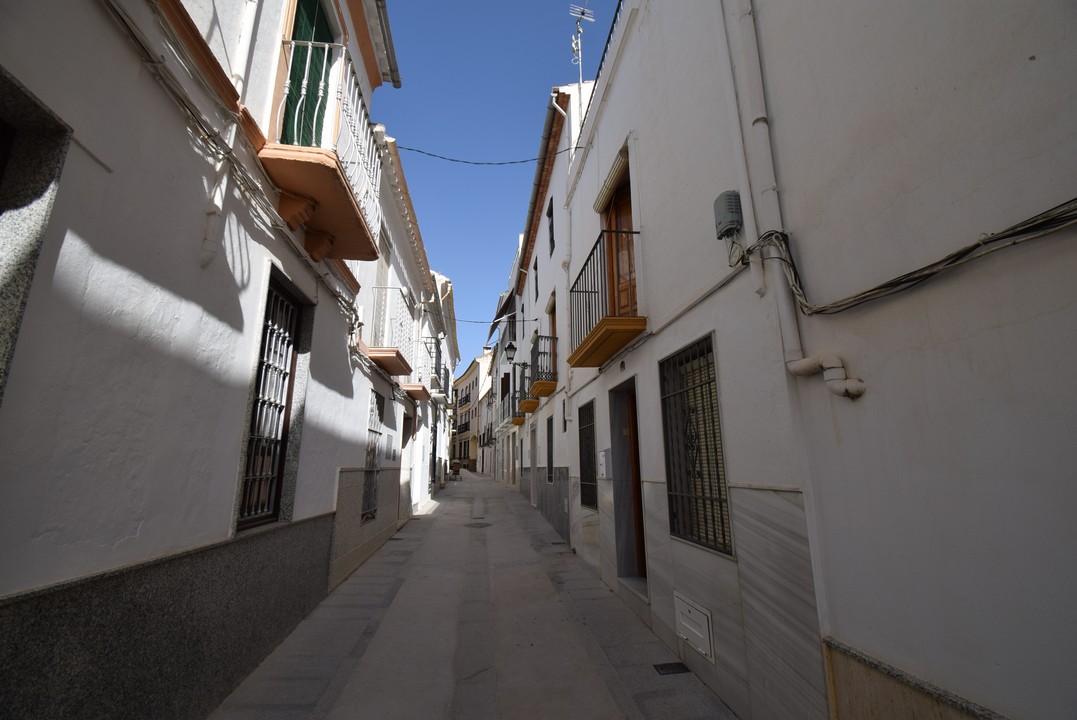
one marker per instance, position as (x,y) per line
(475,610)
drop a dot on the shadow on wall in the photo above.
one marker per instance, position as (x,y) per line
(331,363)
(149,214)
(33,147)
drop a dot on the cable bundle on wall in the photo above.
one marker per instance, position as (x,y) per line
(1038,226)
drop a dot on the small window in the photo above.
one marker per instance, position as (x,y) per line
(695,466)
(588,479)
(536,280)
(549,223)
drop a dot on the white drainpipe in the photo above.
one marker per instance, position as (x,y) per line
(764,201)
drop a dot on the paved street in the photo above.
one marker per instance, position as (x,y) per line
(476,610)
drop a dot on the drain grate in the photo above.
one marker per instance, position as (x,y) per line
(477,525)
(671,668)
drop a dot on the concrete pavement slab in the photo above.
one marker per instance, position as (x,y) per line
(478,611)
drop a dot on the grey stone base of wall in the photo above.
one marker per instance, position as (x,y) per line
(525,482)
(164,640)
(355,540)
(552,499)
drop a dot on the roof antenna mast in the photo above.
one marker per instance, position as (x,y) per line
(581,14)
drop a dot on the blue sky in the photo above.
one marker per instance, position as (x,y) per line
(476,80)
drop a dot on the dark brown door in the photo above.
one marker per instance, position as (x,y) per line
(635,482)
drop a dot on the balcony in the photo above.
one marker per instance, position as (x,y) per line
(463,427)
(544,366)
(426,377)
(509,412)
(603,301)
(325,158)
(528,403)
(391,333)
(518,414)
(464,401)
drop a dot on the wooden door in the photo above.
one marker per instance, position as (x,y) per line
(636,487)
(621,269)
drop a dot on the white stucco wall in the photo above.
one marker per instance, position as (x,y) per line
(942,493)
(130,376)
(919,496)
(124,420)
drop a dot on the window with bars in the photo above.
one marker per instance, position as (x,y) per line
(695,467)
(267,441)
(374,453)
(549,450)
(588,471)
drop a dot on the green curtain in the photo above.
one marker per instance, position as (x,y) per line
(303,120)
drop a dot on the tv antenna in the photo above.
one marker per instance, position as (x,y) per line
(581,14)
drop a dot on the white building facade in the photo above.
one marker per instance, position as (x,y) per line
(826,509)
(226,361)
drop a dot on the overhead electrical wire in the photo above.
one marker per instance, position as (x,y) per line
(482,162)
(487,322)
(1048,222)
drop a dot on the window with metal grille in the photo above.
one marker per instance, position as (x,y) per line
(267,441)
(588,474)
(549,450)
(374,453)
(695,468)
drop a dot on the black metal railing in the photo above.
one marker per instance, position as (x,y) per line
(524,393)
(544,359)
(463,427)
(600,279)
(465,399)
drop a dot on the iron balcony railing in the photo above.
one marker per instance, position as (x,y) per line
(392,324)
(465,399)
(463,427)
(524,393)
(323,106)
(544,359)
(600,282)
(510,408)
